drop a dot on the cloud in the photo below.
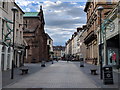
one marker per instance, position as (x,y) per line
(61,18)
(27,10)
(23,2)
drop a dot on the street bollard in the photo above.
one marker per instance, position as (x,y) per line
(43,64)
(52,61)
(81,62)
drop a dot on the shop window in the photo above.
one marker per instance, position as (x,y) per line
(8,58)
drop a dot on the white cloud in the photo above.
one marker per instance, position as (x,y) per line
(24,2)
(58,2)
(73,2)
(76,18)
(81,6)
(27,10)
(58,11)
(48,3)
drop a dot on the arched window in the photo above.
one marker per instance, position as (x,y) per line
(3,57)
(8,58)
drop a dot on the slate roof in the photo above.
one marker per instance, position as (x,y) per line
(48,36)
(31,14)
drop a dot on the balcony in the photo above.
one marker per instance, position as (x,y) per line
(90,37)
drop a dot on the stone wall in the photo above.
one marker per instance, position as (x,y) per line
(36,38)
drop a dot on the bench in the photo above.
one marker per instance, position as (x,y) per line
(24,71)
(93,71)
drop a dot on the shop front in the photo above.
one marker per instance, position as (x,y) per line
(112,39)
(113,51)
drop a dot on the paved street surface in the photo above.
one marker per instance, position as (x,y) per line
(62,74)
(58,75)
(33,68)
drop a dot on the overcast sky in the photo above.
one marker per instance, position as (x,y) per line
(61,18)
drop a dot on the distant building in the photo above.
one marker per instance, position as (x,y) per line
(75,46)
(50,47)
(35,37)
(68,47)
(59,51)
(81,45)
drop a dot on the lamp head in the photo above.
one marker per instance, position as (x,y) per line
(100,8)
(14,9)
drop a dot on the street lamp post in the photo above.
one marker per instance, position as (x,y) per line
(105,48)
(14,9)
(100,8)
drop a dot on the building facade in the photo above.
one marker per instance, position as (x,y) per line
(72,47)
(69,47)
(81,52)
(6,36)
(75,46)
(50,47)
(35,37)
(111,24)
(59,52)
(92,39)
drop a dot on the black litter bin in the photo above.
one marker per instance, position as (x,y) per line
(81,62)
(107,74)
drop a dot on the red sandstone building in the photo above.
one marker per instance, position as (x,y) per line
(92,39)
(35,37)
